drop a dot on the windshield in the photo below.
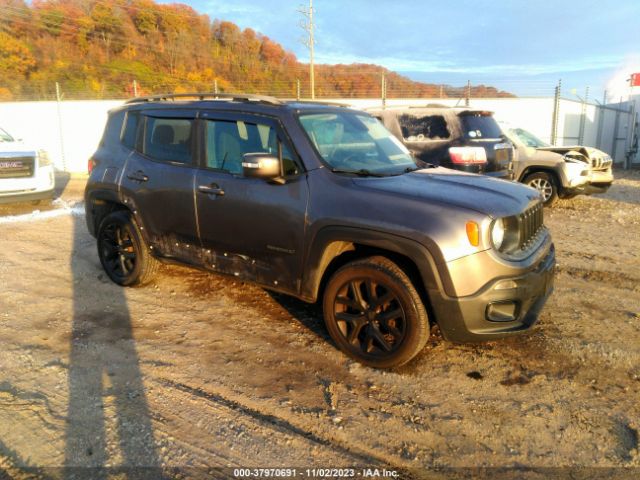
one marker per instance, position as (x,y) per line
(528,138)
(351,142)
(5,137)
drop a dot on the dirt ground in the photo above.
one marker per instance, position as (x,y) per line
(197,373)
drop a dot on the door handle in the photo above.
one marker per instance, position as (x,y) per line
(138,176)
(212,189)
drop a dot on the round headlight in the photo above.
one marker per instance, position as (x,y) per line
(497,233)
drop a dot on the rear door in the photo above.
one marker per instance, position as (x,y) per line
(158,181)
(250,228)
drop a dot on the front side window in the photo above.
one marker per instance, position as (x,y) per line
(228,141)
(168,139)
(420,128)
(351,142)
(528,138)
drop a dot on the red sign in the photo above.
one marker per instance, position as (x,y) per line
(635,79)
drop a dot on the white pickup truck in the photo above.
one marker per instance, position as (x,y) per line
(26,173)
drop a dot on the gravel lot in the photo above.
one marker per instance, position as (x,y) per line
(196,372)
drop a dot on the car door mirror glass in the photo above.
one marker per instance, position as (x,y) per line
(261,165)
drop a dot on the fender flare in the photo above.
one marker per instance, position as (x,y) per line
(330,242)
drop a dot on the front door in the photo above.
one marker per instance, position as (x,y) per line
(250,228)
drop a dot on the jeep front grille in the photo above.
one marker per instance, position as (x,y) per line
(17,167)
(529,224)
(601,163)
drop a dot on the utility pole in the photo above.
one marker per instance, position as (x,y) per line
(307,25)
(135,88)
(297,89)
(215,85)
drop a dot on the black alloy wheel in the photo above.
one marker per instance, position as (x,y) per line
(122,251)
(374,314)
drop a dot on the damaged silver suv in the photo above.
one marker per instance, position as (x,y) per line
(322,203)
(559,172)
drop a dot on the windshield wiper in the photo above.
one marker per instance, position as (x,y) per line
(363,172)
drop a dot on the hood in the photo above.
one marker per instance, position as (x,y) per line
(17,149)
(479,193)
(586,151)
(596,158)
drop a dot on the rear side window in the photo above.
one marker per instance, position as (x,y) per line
(228,141)
(479,126)
(130,129)
(168,139)
(421,128)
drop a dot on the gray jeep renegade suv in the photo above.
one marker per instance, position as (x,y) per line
(319,202)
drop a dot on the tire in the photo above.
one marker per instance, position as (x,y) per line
(123,252)
(546,184)
(384,333)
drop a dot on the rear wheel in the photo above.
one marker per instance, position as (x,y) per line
(374,313)
(546,185)
(123,252)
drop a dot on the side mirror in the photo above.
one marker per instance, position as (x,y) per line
(262,165)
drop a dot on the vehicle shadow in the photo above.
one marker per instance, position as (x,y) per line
(108,428)
(308,314)
(61,181)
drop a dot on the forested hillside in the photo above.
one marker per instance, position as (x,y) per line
(102,48)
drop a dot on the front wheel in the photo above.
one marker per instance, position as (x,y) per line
(546,185)
(374,313)
(123,252)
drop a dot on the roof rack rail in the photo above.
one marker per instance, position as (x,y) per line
(245,97)
(322,102)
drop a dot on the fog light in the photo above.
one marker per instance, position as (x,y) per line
(501,311)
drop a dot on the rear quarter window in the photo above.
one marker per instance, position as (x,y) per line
(111,135)
(130,129)
(423,128)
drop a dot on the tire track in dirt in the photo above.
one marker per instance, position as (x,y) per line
(617,279)
(283,426)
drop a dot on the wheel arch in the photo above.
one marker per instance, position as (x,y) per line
(557,177)
(98,205)
(334,247)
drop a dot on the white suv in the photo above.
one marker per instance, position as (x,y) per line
(26,173)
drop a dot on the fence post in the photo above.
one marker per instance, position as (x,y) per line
(60,132)
(556,113)
(616,128)
(583,119)
(383,91)
(467,99)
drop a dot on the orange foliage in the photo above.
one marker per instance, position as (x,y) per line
(97,48)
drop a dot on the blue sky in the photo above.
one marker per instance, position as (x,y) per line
(523,46)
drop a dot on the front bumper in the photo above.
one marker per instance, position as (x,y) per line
(38,187)
(595,182)
(505,306)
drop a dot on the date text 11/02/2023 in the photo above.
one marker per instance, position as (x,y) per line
(314,473)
